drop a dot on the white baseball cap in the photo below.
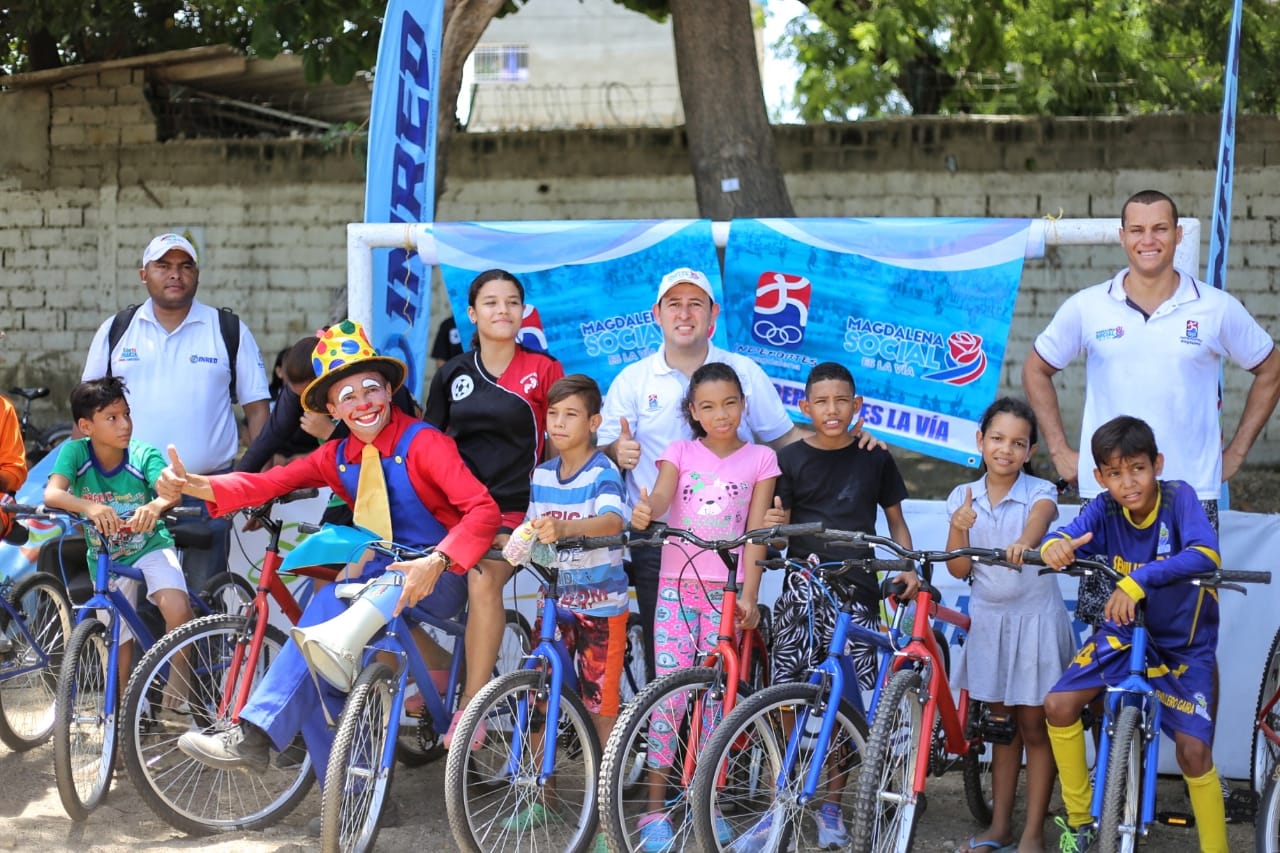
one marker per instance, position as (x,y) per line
(685,275)
(161,244)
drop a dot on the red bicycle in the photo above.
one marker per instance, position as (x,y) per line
(227,655)
(636,786)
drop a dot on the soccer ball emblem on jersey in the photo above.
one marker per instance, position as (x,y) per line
(461,388)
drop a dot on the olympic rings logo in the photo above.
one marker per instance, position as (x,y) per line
(768,332)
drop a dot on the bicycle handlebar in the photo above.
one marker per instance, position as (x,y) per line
(42,511)
(836,568)
(656,534)
(1221,579)
(986,555)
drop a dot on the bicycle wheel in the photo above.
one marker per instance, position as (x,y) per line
(1266,826)
(159,708)
(976,766)
(493,796)
(1266,755)
(884,808)
(1122,797)
(27,701)
(356,782)
(84,732)
(643,763)
(758,806)
(227,592)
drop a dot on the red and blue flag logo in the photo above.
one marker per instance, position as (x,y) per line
(781,310)
(530,335)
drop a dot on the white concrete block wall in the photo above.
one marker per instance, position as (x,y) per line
(272,218)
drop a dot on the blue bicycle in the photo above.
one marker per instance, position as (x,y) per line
(35,620)
(806,741)
(535,788)
(1124,806)
(89,684)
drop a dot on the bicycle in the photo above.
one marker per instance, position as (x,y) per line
(226,655)
(1264,765)
(88,687)
(362,759)
(35,621)
(919,728)
(686,704)
(1124,805)
(786,735)
(541,790)
(38,442)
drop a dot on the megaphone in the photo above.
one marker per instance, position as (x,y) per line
(333,649)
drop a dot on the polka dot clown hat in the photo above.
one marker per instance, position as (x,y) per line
(342,350)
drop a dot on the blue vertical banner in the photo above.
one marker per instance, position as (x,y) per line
(589,286)
(917,309)
(1220,234)
(401,174)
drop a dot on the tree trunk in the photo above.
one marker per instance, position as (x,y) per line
(465,22)
(731,147)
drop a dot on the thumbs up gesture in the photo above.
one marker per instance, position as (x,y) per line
(965,516)
(626,449)
(1060,552)
(173,478)
(642,513)
(775,514)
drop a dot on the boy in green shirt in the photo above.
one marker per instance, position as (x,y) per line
(106,476)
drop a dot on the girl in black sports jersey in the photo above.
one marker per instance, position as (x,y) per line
(492,400)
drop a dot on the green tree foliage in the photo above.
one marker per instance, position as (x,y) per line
(1040,57)
(335,38)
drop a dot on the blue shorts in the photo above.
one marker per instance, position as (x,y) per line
(1183,679)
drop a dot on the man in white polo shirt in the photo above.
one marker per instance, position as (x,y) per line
(644,409)
(174,362)
(1154,339)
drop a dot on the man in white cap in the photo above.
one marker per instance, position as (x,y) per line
(173,356)
(643,411)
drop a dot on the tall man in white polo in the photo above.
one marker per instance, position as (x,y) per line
(175,365)
(1154,339)
(643,411)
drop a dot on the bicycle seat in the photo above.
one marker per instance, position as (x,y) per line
(192,534)
(29,393)
(64,557)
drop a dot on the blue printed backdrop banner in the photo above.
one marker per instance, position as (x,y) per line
(401,181)
(589,286)
(917,309)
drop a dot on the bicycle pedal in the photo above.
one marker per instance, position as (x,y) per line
(994,728)
(1180,819)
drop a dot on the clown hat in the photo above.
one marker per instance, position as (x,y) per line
(342,350)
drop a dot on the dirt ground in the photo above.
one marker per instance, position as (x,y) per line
(32,818)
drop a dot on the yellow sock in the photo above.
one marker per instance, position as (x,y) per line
(1073,771)
(1211,816)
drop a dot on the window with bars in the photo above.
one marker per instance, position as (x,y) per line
(502,63)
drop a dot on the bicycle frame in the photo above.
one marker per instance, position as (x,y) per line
(236,690)
(412,664)
(1133,691)
(549,657)
(836,674)
(922,649)
(8,669)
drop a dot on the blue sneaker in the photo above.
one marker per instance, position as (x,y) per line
(656,833)
(831,832)
(1075,839)
(759,838)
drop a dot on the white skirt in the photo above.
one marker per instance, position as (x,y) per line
(1015,658)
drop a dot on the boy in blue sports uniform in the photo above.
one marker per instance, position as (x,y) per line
(1158,536)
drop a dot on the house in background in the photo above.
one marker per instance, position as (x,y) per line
(559,64)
